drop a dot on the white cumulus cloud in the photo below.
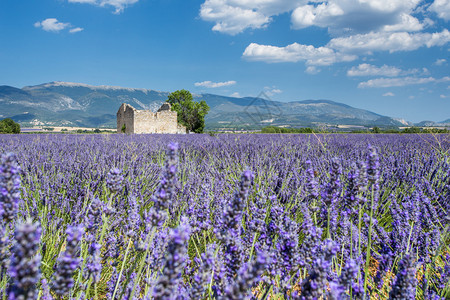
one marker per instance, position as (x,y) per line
(388,94)
(440,62)
(119,5)
(210,84)
(398,82)
(407,23)
(392,42)
(270,91)
(234,16)
(356,27)
(51,24)
(357,16)
(385,70)
(345,49)
(75,30)
(321,56)
(441,8)
(312,70)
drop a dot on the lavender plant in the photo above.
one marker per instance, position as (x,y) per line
(10,184)
(68,262)
(333,217)
(25,263)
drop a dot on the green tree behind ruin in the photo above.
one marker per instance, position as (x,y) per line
(9,126)
(190,113)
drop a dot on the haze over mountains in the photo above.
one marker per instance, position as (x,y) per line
(75,104)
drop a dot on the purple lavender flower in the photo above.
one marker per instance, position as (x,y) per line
(233,254)
(373,165)
(332,190)
(444,279)
(312,185)
(133,220)
(404,286)
(68,262)
(10,185)
(329,197)
(272,227)
(165,194)
(93,265)
(229,231)
(362,181)
(174,264)
(114,180)
(25,261)
(158,248)
(129,289)
(200,213)
(311,243)
(349,273)
(247,276)
(287,250)
(4,248)
(385,260)
(94,215)
(111,284)
(313,287)
(203,275)
(349,280)
(45,290)
(351,199)
(112,248)
(232,215)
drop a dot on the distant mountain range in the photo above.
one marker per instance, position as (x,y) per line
(75,104)
(445,123)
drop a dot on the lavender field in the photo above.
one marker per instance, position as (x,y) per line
(225,217)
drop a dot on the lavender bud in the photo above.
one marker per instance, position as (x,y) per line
(4,248)
(165,193)
(404,286)
(94,215)
(311,185)
(68,262)
(25,261)
(174,264)
(45,290)
(373,163)
(247,276)
(114,180)
(93,265)
(10,185)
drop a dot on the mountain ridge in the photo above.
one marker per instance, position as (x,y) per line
(77,104)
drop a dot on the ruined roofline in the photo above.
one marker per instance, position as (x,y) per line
(163,108)
(126,105)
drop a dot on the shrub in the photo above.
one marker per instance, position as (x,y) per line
(9,126)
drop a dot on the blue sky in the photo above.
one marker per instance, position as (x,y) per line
(388,56)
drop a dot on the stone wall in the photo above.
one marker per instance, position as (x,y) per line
(125,115)
(145,121)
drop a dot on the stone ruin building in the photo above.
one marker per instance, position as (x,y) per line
(131,120)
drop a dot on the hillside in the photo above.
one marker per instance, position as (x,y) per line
(74,104)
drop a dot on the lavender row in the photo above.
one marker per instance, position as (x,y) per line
(225,217)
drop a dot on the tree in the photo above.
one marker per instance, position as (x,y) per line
(9,126)
(190,113)
(376,130)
